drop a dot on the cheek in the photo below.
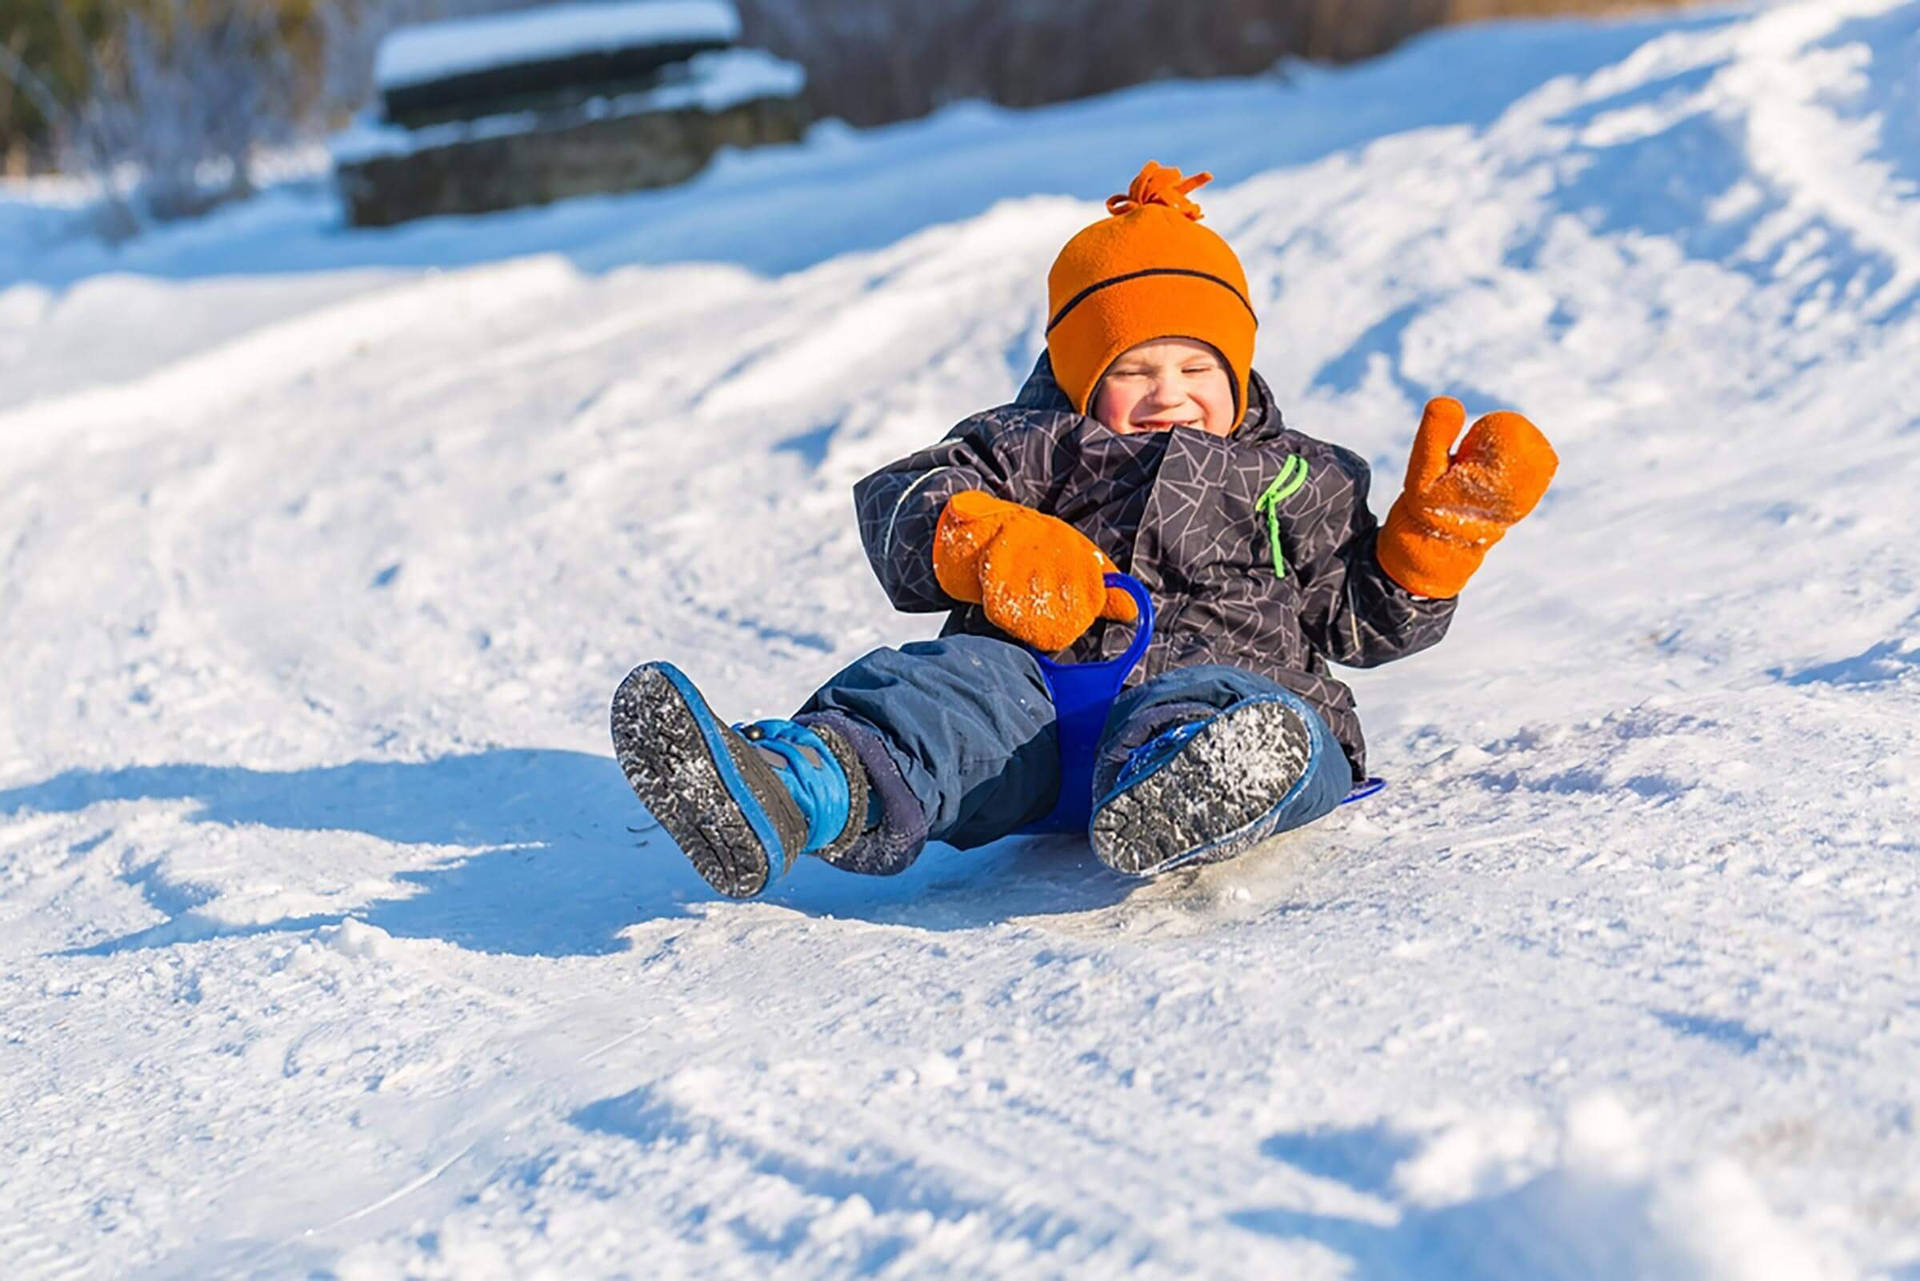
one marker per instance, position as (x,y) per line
(1112,406)
(1215,398)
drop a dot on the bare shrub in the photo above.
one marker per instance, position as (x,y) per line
(177,100)
(181,95)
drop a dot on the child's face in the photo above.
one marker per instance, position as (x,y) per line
(1163,384)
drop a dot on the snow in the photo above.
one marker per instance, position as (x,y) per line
(333,944)
(717,80)
(433,51)
(727,77)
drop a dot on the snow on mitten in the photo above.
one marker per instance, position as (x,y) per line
(1454,508)
(1038,578)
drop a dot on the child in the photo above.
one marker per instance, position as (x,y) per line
(1143,438)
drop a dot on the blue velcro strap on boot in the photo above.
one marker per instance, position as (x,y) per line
(1155,752)
(812,774)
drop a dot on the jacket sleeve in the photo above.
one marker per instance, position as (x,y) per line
(1354,614)
(899,506)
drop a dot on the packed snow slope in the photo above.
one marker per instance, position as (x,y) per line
(332,944)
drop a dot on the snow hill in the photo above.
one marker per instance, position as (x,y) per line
(332,944)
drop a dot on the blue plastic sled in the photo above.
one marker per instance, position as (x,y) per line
(1083,694)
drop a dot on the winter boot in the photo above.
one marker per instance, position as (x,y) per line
(1204,790)
(740,801)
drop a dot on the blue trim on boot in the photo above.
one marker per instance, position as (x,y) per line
(896,834)
(1143,761)
(811,774)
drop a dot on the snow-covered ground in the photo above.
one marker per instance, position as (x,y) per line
(334,946)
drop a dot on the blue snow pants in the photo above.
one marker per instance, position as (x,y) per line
(958,738)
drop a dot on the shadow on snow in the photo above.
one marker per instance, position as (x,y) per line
(1557,1223)
(540,853)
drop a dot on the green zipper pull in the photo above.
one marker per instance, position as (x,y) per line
(1293,474)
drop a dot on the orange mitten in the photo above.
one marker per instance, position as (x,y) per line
(1454,508)
(1038,578)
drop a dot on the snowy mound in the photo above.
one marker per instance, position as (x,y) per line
(335,946)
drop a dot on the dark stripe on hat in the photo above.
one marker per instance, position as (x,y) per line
(1098,285)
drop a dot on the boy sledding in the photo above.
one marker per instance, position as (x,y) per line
(1142,442)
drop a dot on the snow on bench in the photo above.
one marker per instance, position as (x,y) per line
(434,51)
(712,82)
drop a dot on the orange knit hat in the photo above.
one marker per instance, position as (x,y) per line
(1148,271)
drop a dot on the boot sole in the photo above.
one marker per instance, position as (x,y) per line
(674,753)
(1217,797)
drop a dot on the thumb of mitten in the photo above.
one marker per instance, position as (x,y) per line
(1433,442)
(968,522)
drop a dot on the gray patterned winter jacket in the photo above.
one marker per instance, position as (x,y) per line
(1257,548)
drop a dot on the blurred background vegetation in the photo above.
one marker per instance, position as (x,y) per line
(173,100)
(871,61)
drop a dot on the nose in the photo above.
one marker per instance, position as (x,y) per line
(1162,392)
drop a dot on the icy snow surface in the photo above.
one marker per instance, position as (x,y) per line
(436,50)
(332,944)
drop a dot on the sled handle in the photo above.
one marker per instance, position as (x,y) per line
(1081,676)
(1082,694)
(1143,626)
